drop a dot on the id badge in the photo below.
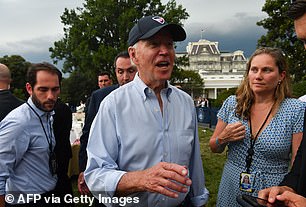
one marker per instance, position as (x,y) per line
(52,163)
(246,182)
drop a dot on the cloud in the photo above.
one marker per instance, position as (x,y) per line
(33,50)
(32,26)
(35,45)
(32,18)
(238,32)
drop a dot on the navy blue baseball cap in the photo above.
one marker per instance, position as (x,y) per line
(148,26)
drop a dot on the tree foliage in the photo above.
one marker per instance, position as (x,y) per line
(223,96)
(280,33)
(190,81)
(74,88)
(18,67)
(96,32)
(299,89)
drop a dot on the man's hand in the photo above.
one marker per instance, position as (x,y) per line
(271,193)
(164,178)
(82,186)
(292,199)
(160,179)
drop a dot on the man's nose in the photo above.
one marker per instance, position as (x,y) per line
(51,95)
(164,49)
(126,76)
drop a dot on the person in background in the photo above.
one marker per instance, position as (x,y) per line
(8,101)
(292,190)
(125,72)
(27,158)
(261,126)
(199,102)
(104,79)
(205,103)
(142,144)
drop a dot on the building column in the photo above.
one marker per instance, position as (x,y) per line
(216,92)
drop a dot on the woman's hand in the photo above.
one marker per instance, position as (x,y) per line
(232,132)
(225,133)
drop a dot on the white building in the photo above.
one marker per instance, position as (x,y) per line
(219,70)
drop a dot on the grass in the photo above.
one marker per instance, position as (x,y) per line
(74,181)
(212,163)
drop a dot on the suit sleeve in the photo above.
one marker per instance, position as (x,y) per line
(91,113)
(62,126)
(293,177)
(93,108)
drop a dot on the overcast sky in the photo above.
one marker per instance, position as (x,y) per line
(30,27)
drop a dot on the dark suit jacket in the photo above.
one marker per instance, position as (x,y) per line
(8,102)
(61,126)
(96,98)
(296,178)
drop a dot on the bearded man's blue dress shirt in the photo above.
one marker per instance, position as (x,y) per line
(24,152)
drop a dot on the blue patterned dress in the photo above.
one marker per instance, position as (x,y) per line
(272,150)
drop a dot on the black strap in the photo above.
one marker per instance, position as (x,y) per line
(250,151)
(49,139)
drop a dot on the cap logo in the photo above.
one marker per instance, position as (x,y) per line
(159,19)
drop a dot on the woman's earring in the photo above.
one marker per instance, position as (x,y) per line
(279,82)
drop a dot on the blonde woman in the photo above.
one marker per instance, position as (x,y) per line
(262,127)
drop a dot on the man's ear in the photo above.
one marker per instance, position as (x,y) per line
(29,88)
(132,53)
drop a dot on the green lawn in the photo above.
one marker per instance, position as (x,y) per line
(213,166)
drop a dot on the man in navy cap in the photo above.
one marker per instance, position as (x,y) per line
(147,152)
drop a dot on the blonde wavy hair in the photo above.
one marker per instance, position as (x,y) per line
(245,96)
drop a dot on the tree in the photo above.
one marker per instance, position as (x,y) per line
(18,67)
(280,33)
(94,34)
(70,91)
(299,89)
(190,81)
(223,96)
